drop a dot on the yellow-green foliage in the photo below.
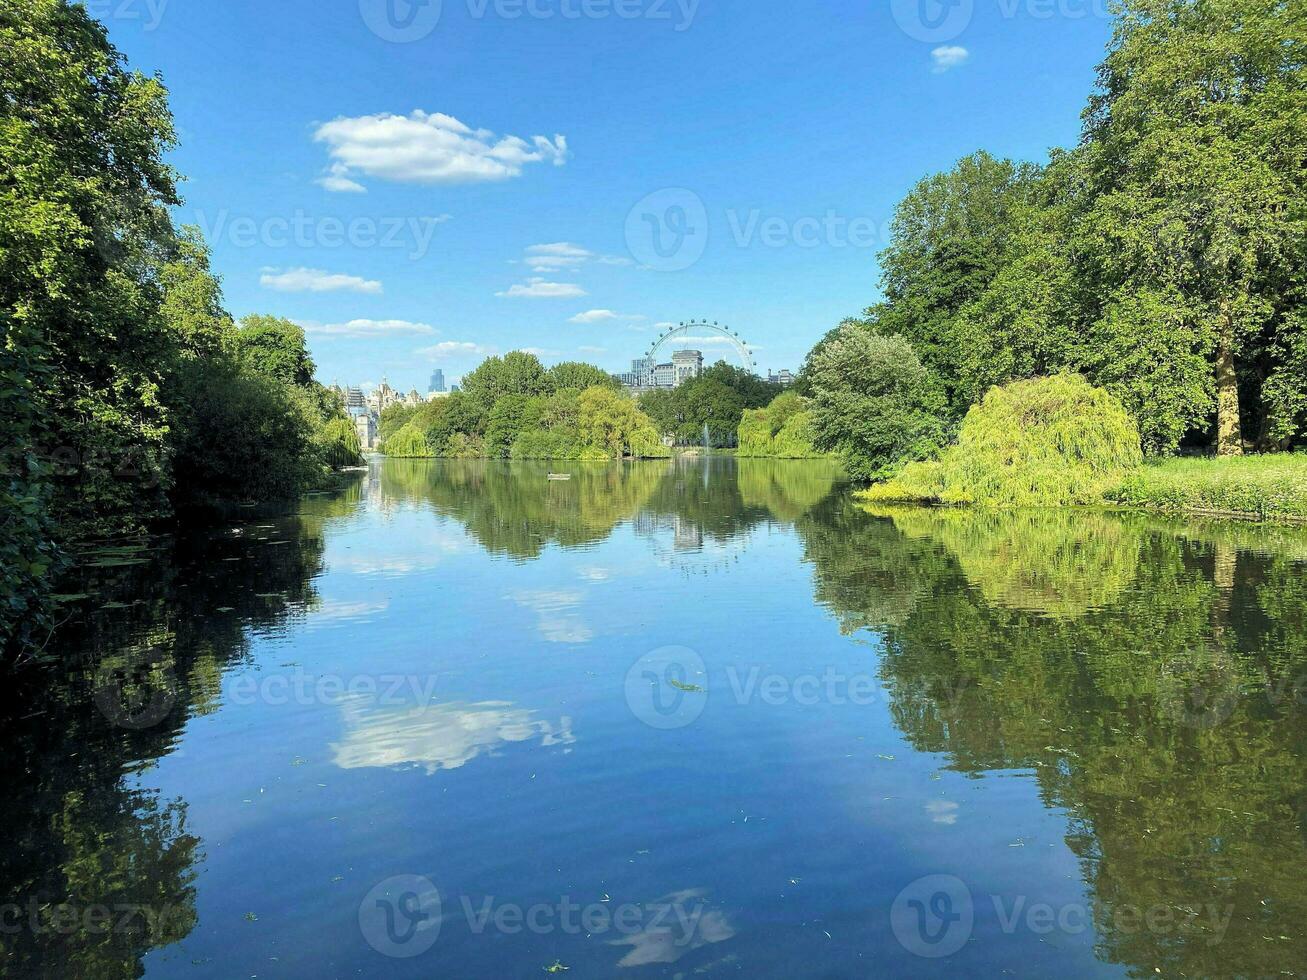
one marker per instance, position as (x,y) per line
(410,442)
(782,430)
(1268,486)
(1056,563)
(339,442)
(1044,442)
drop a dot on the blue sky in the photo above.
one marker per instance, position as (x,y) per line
(423,185)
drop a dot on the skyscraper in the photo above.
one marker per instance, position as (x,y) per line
(437,381)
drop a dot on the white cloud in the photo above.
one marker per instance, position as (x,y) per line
(538,288)
(542,352)
(447,349)
(556,255)
(593,350)
(603,316)
(948,56)
(426,148)
(337,180)
(366,328)
(316,281)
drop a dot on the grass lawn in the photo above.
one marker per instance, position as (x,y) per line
(1265,486)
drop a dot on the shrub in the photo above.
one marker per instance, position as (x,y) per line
(338,440)
(1043,442)
(410,442)
(875,404)
(782,430)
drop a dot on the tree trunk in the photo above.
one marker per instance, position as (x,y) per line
(1229,435)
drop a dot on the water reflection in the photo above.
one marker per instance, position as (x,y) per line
(437,736)
(1148,675)
(97,868)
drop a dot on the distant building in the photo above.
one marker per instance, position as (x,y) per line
(413,399)
(664,376)
(366,426)
(437,382)
(355,403)
(686,364)
(437,395)
(784,377)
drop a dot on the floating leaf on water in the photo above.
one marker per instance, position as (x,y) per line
(63,599)
(691,688)
(557,967)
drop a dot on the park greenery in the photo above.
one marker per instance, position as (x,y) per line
(126,391)
(781,430)
(1162,260)
(512,406)
(714,403)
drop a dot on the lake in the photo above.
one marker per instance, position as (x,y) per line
(667,719)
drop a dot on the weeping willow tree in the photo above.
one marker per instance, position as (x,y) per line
(1044,442)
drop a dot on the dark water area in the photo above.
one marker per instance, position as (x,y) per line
(669,719)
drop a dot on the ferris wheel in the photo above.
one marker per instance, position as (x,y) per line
(714,330)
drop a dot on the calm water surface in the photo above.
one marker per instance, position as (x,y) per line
(697,718)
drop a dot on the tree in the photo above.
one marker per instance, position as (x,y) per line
(516,373)
(1196,159)
(579,376)
(876,404)
(948,241)
(613,427)
(508,419)
(276,347)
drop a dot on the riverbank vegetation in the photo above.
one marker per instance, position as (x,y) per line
(1038,443)
(1265,486)
(512,407)
(1161,260)
(782,430)
(711,406)
(126,391)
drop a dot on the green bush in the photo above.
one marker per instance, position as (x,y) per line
(874,403)
(1267,486)
(338,441)
(782,430)
(1043,442)
(410,442)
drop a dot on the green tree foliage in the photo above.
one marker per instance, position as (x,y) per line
(579,376)
(275,346)
(613,427)
(410,442)
(115,346)
(717,398)
(516,373)
(784,430)
(1045,442)
(510,416)
(1162,258)
(395,417)
(875,403)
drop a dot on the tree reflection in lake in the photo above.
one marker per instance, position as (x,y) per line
(1148,675)
(98,869)
(1152,676)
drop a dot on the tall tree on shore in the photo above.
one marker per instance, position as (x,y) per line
(1196,151)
